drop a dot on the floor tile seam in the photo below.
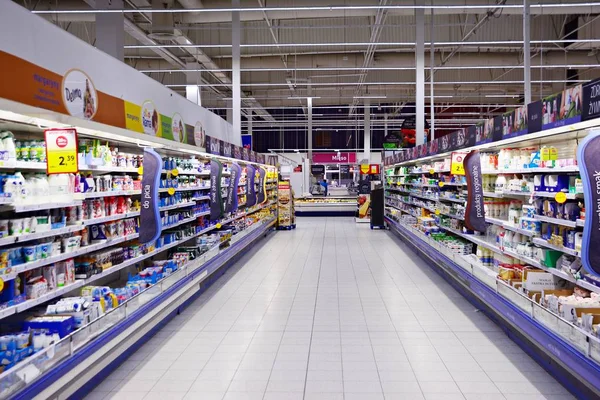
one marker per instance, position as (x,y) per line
(221,341)
(443,362)
(315,310)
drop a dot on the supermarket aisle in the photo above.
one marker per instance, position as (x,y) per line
(330,311)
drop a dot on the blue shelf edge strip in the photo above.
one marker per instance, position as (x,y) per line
(561,351)
(30,391)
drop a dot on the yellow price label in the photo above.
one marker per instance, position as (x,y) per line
(218,226)
(141,170)
(1,284)
(441,184)
(61,151)
(560,197)
(171,191)
(175,172)
(432,171)
(437,212)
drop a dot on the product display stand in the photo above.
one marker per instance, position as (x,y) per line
(285,207)
(525,270)
(332,206)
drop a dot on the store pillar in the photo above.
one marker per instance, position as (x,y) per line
(420,69)
(309,128)
(235,71)
(367,131)
(110,36)
(526,52)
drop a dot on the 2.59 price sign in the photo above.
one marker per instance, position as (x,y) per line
(61,151)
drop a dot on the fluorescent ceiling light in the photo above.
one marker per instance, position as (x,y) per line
(302,97)
(370,97)
(316,8)
(509,96)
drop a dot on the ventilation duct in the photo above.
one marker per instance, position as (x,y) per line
(162,23)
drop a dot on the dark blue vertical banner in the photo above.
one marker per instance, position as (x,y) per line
(231,203)
(150,224)
(587,156)
(250,189)
(216,199)
(591,100)
(534,117)
(261,196)
(474,213)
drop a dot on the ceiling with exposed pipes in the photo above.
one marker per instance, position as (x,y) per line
(346,54)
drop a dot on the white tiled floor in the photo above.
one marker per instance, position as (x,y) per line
(331,310)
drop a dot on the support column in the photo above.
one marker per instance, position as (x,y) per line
(420,69)
(193,79)
(229,112)
(431,75)
(249,116)
(235,70)
(385,125)
(367,131)
(110,36)
(309,130)
(526,51)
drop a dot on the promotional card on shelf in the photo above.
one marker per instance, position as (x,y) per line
(150,222)
(250,186)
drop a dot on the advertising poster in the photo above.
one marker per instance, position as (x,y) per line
(444,144)
(471,136)
(150,222)
(245,154)
(216,198)
(474,213)
(497,128)
(587,155)
(231,202)
(534,117)
(562,108)
(261,195)
(591,100)
(514,123)
(393,140)
(250,186)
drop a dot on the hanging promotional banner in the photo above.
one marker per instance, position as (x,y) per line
(587,156)
(216,199)
(591,100)
(475,212)
(150,222)
(250,187)
(317,170)
(457,163)
(247,141)
(334,158)
(61,151)
(393,140)
(562,108)
(261,196)
(231,203)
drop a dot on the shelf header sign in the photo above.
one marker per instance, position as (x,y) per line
(334,158)
(457,163)
(61,151)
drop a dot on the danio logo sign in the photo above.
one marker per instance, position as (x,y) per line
(79,94)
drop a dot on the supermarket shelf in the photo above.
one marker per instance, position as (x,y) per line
(564,249)
(495,221)
(187,172)
(24,165)
(183,221)
(144,318)
(453,184)
(40,235)
(524,232)
(564,170)
(423,196)
(558,221)
(524,319)
(201,198)
(5,201)
(474,239)
(164,190)
(203,213)
(94,195)
(451,215)
(115,217)
(460,201)
(493,194)
(42,299)
(103,168)
(427,172)
(570,196)
(44,206)
(508,193)
(176,206)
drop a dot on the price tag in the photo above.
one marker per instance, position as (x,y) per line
(456,163)
(432,171)
(171,191)
(560,197)
(61,151)
(175,172)
(218,226)
(441,184)
(1,284)
(437,212)
(141,170)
